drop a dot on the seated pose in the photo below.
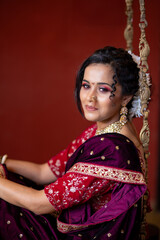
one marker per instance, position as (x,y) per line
(93,188)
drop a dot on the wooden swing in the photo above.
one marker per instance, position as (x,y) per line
(144,51)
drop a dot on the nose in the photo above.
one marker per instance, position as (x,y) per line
(92,97)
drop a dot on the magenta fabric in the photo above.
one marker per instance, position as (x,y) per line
(118,219)
(18,223)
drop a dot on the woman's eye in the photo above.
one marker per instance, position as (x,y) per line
(85,85)
(103,89)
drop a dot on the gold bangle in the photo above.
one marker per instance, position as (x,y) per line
(4,158)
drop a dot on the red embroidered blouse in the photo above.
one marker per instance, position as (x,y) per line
(74,188)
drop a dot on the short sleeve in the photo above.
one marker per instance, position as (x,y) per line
(73,189)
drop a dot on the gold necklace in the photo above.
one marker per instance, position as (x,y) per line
(112,128)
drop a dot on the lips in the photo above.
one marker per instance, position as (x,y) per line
(90,108)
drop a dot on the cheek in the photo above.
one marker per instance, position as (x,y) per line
(109,105)
(105,101)
(116,104)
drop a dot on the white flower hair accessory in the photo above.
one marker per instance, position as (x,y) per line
(135,57)
(135,110)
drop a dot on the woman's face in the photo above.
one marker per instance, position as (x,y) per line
(95,95)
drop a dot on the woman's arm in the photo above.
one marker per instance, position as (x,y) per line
(71,189)
(25,197)
(39,173)
(55,168)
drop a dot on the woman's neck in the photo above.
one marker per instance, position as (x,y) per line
(102,125)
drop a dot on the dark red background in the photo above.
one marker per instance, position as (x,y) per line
(42,44)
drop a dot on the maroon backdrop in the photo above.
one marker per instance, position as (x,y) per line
(42,44)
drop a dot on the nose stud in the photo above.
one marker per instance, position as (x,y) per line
(93,98)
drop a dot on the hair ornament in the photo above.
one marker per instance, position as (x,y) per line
(135,110)
(135,58)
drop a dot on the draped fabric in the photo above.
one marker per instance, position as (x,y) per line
(18,223)
(112,157)
(108,157)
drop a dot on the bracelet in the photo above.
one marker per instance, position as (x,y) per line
(3,159)
(2,172)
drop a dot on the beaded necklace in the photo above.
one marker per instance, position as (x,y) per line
(112,128)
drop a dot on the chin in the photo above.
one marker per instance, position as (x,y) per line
(90,118)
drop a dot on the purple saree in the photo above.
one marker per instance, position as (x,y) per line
(108,156)
(114,157)
(18,223)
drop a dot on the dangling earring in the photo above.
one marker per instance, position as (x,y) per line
(123,115)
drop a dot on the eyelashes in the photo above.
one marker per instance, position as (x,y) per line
(85,85)
(102,89)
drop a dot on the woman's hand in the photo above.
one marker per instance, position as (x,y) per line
(2,172)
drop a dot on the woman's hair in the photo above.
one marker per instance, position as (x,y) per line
(125,70)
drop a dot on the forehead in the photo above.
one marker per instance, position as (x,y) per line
(99,73)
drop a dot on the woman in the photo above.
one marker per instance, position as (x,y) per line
(94,186)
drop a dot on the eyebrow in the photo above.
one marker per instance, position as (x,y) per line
(99,83)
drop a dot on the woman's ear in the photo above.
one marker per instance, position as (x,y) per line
(126,100)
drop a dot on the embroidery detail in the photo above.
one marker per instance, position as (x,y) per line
(109,234)
(64,227)
(31,229)
(122,231)
(57,163)
(75,188)
(109,173)
(129,162)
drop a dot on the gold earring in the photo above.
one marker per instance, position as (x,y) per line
(123,115)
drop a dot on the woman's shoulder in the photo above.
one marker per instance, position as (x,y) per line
(130,132)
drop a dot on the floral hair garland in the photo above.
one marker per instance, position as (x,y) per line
(135,110)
